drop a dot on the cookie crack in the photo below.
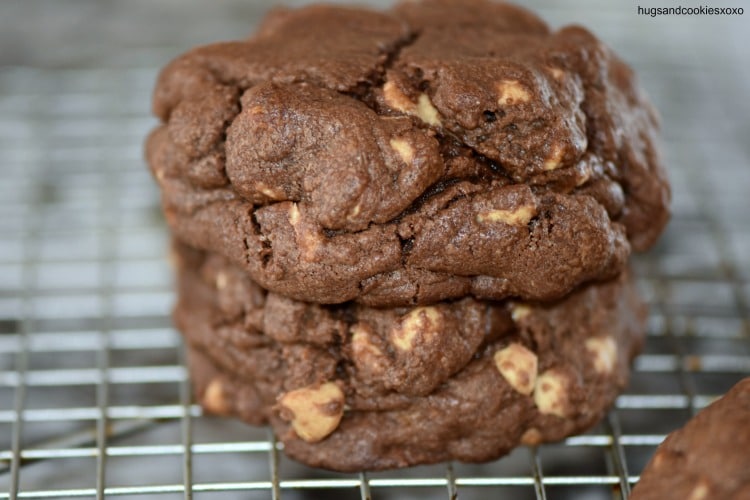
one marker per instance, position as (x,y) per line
(364,91)
(417,288)
(266,253)
(219,146)
(395,54)
(432,191)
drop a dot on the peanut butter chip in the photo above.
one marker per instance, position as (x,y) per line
(583,175)
(423,109)
(518,366)
(519,312)
(269,192)
(404,149)
(532,437)
(314,411)
(365,353)
(221,280)
(294,215)
(511,92)
(700,492)
(555,158)
(397,99)
(426,111)
(214,398)
(354,211)
(518,217)
(308,241)
(557,73)
(550,393)
(603,351)
(422,319)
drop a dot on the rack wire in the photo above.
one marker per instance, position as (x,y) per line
(94,396)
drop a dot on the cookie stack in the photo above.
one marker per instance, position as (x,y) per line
(402,237)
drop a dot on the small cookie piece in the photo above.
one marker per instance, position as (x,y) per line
(438,150)
(708,458)
(459,380)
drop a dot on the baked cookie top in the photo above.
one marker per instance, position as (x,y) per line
(437,150)
(707,458)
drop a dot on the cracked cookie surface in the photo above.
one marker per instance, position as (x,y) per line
(349,387)
(431,152)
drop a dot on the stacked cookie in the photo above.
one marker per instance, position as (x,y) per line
(403,237)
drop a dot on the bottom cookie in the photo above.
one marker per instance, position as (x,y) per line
(547,372)
(708,458)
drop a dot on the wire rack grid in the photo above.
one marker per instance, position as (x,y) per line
(94,396)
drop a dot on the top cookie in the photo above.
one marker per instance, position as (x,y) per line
(441,149)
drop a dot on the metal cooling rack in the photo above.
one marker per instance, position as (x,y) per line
(94,397)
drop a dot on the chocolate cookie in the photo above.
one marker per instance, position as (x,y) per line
(436,151)
(707,458)
(402,350)
(348,387)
